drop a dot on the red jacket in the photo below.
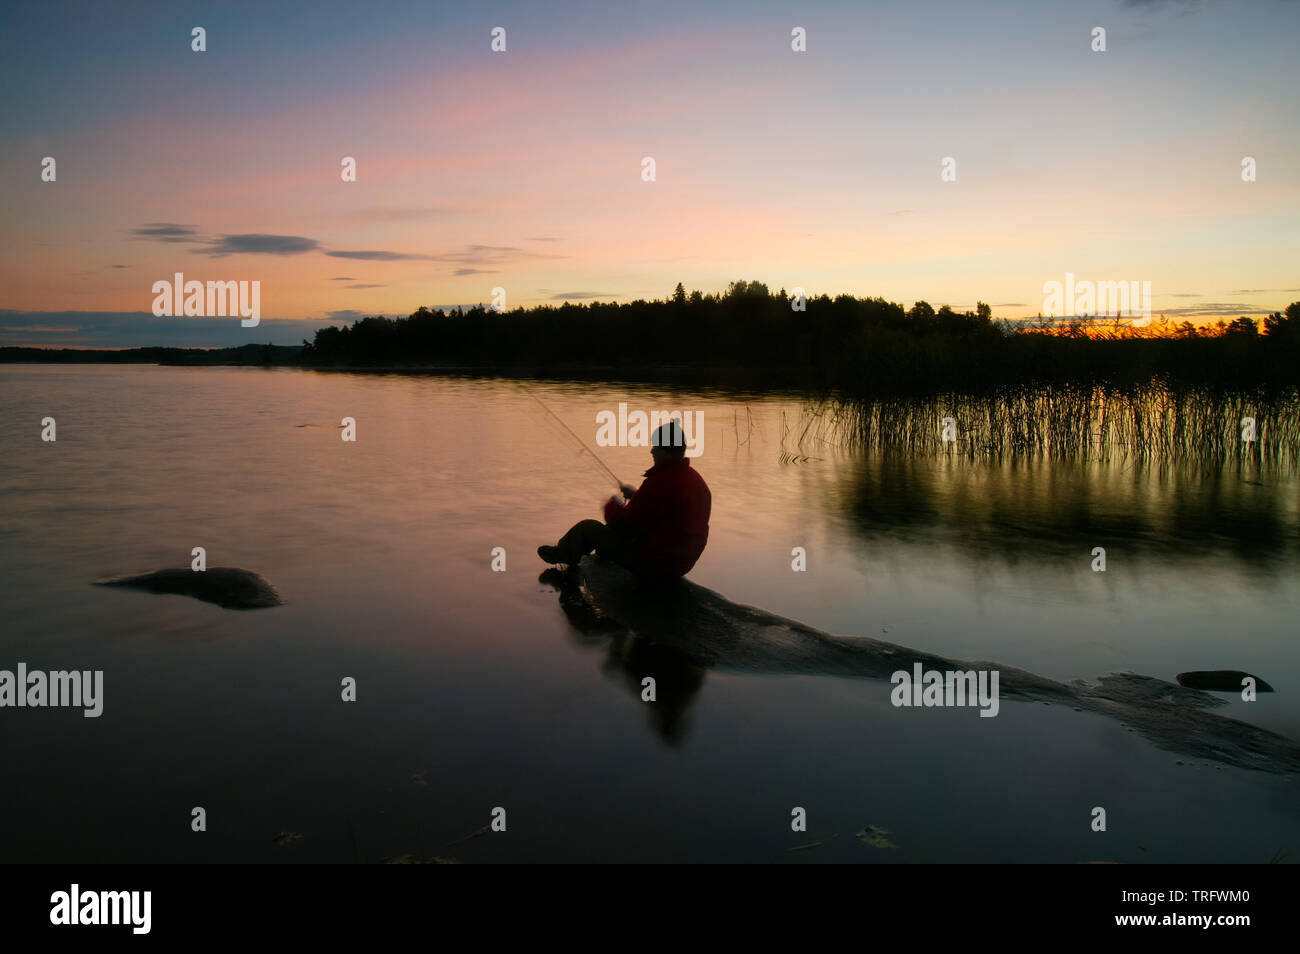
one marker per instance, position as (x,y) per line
(667,519)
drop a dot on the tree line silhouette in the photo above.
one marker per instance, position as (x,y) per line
(849,344)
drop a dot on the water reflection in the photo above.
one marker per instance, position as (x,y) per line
(392,583)
(629,659)
(676,632)
(1011,510)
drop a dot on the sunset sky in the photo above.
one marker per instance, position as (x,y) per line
(522,169)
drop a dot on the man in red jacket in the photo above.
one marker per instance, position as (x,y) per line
(662,529)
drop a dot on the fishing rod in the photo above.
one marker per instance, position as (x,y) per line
(581,443)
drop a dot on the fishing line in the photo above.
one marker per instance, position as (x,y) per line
(581,443)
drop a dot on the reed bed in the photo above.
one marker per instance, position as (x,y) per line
(1147,423)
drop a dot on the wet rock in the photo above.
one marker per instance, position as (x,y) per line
(228,587)
(1220,680)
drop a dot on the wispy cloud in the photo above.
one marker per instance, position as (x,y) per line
(365,286)
(580,296)
(489,255)
(346,314)
(256,243)
(166,232)
(475,271)
(377,256)
(343,279)
(1212,309)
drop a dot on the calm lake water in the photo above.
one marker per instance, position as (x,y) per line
(475,691)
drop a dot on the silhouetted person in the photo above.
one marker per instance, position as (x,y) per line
(662,529)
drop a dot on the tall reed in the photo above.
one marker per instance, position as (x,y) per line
(1152,423)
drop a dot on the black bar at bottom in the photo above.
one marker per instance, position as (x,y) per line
(320,903)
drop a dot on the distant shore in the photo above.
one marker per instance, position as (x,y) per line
(297,356)
(753,339)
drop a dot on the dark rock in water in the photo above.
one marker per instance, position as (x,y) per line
(715,633)
(1220,680)
(228,587)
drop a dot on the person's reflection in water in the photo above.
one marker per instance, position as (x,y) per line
(630,659)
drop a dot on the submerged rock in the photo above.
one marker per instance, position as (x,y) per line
(1220,680)
(228,587)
